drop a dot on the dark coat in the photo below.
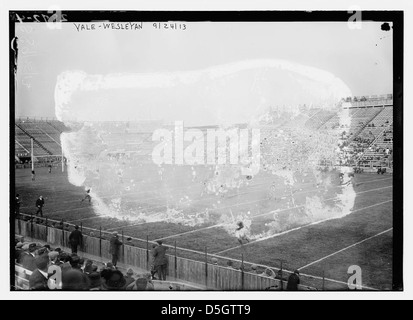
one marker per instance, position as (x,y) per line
(28,261)
(293,282)
(39,202)
(159,256)
(76,237)
(37,281)
(115,244)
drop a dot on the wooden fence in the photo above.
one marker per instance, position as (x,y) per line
(213,277)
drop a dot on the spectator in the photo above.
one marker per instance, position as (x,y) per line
(88,267)
(129,241)
(54,258)
(293,281)
(143,283)
(39,206)
(74,279)
(75,262)
(115,244)
(18,251)
(38,279)
(254,269)
(33,175)
(66,261)
(110,266)
(152,266)
(230,264)
(129,277)
(160,260)
(50,168)
(95,281)
(269,273)
(75,239)
(214,261)
(114,281)
(28,259)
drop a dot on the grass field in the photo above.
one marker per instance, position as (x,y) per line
(329,247)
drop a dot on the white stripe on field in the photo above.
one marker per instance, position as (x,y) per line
(344,249)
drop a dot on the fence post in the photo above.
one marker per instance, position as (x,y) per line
(47,229)
(31,225)
(242,271)
(81,227)
(100,241)
(123,248)
(147,252)
(63,233)
(282,281)
(206,266)
(175,262)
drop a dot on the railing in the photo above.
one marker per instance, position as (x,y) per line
(213,277)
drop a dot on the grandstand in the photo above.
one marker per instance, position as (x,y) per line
(45,135)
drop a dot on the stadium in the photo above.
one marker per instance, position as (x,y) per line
(194,209)
(212,158)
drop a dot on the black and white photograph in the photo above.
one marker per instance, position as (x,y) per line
(223,151)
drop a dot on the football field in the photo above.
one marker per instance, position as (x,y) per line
(325,247)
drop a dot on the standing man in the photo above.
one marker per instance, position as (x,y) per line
(39,206)
(293,281)
(160,260)
(115,244)
(75,239)
(33,175)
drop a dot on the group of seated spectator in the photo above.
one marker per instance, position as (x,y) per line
(76,273)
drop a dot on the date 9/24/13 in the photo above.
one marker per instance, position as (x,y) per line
(169,25)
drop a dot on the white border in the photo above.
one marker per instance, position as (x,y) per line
(5,6)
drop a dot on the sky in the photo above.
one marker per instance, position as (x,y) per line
(360,58)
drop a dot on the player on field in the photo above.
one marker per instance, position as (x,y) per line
(87,196)
(241,233)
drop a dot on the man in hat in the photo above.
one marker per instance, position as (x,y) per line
(114,281)
(293,281)
(54,258)
(39,206)
(28,259)
(74,279)
(254,269)
(95,281)
(160,261)
(38,278)
(129,277)
(115,244)
(75,239)
(18,251)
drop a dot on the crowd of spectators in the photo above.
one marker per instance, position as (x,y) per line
(77,273)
